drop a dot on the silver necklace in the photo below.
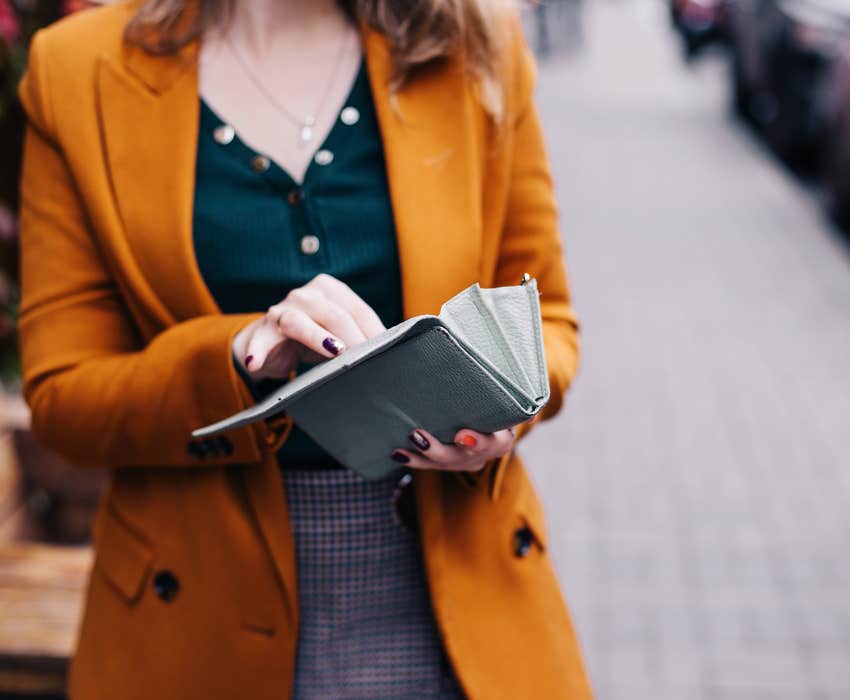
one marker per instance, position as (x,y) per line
(305,125)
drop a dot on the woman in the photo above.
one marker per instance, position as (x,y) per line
(214,195)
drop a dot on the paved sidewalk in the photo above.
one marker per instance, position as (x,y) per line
(698,482)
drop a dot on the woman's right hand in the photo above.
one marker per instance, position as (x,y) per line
(312,323)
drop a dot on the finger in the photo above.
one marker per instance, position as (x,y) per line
(279,362)
(342,294)
(503,441)
(435,450)
(289,323)
(260,344)
(240,342)
(328,314)
(416,460)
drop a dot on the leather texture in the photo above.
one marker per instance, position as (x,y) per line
(479,365)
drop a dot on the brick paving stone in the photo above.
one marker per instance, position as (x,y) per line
(697,482)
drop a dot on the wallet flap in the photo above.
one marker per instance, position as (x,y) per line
(313,378)
(502,326)
(412,385)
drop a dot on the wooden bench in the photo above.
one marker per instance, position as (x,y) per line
(41,585)
(41,597)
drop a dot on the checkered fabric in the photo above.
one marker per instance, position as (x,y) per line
(367,630)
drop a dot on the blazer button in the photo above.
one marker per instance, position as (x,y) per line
(196,449)
(211,447)
(523,540)
(405,503)
(225,447)
(166,585)
(218,446)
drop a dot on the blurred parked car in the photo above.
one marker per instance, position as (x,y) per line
(836,146)
(754,28)
(699,22)
(782,54)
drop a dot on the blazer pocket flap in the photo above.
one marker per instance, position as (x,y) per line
(122,556)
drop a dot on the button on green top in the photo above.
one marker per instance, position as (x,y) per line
(258,233)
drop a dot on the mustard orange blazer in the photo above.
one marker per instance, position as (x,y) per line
(125,352)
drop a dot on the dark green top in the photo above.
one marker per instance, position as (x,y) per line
(258,234)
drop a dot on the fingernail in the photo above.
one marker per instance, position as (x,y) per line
(249,360)
(399,456)
(333,346)
(419,440)
(467,440)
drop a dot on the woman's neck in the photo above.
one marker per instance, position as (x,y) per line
(259,24)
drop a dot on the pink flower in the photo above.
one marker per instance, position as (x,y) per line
(9,29)
(69,6)
(8,222)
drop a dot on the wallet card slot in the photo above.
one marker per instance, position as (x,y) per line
(498,316)
(474,323)
(524,328)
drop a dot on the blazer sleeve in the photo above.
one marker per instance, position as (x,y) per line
(98,394)
(531,239)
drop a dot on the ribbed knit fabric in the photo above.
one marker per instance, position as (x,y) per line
(258,234)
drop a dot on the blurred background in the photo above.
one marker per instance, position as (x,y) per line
(698,482)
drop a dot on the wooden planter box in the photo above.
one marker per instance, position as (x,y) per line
(54,501)
(43,501)
(41,597)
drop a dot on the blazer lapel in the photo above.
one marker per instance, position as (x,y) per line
(149,109)
(432,153)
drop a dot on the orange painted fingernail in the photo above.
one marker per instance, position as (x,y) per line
(467,441)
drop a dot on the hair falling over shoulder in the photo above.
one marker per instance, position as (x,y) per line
(420,33)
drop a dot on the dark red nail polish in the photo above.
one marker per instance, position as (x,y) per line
(399,456)
(248,360)
(419,441)
(332,345)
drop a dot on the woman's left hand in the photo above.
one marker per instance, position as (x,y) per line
(469,453)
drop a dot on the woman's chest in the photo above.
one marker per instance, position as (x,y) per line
(286,107)
(258,232)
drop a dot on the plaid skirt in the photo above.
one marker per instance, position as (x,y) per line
(367,629)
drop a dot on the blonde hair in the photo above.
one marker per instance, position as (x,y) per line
(420,34)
